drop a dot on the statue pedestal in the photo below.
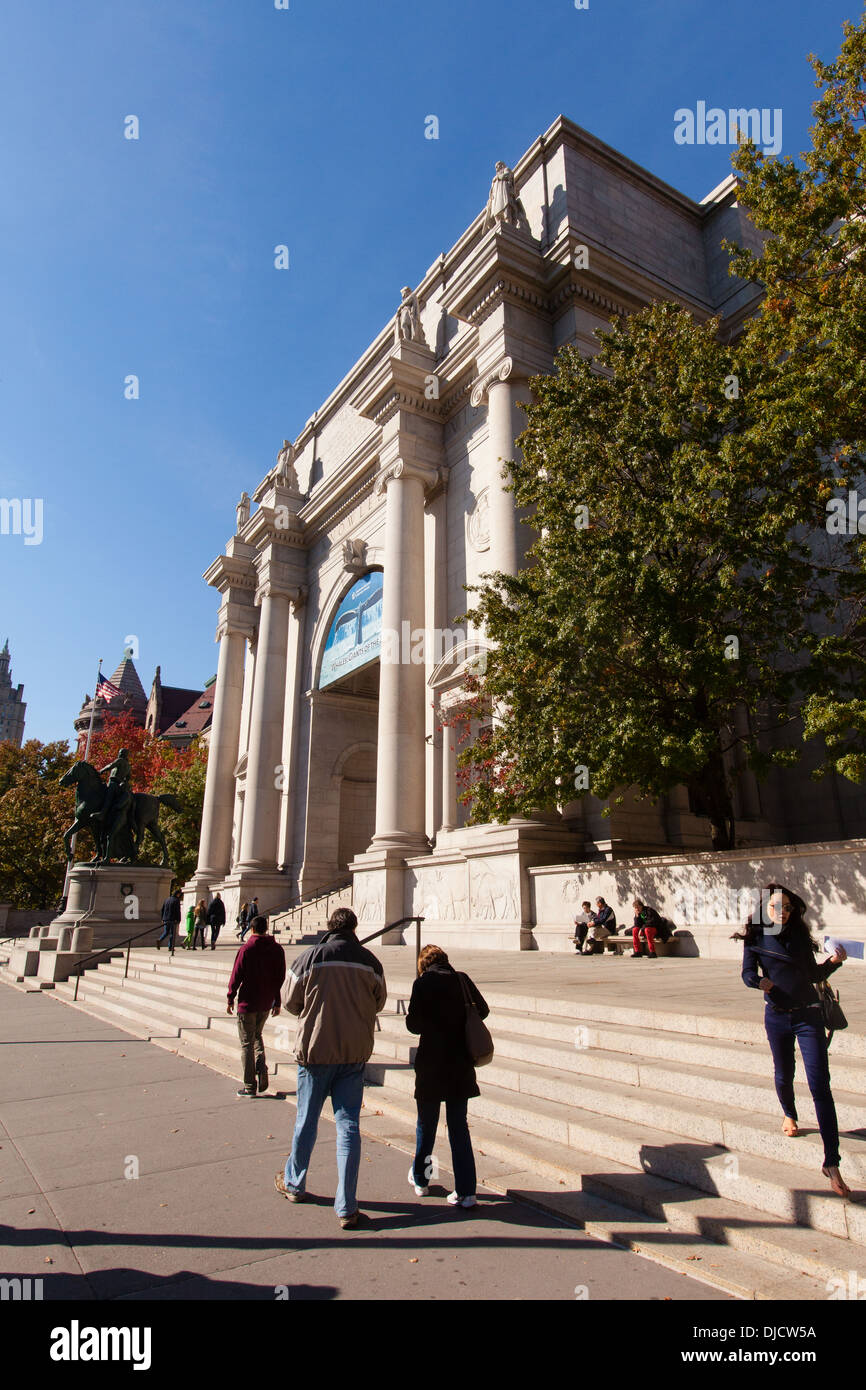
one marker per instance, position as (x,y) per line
(115,900)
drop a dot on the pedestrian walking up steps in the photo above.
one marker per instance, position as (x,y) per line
(660,1131)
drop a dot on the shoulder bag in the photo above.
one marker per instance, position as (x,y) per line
(479,1043)
(831,1009)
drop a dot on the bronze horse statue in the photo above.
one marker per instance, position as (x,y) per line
(123,835)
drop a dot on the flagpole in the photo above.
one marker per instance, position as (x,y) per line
(92,716)
(71,860)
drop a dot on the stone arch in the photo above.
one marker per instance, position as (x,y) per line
(355,776)
(348,753)
(330,603)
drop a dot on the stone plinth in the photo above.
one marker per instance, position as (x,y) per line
(114,901)
(51,954)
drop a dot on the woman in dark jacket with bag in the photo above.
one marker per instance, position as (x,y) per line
(444,1070)
(783,951)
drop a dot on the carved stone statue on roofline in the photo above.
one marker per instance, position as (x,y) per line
(407,327)
(242,510)
(503,204)
(284,473)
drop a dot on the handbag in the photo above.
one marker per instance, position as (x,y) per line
(479,1043)
(831,1009)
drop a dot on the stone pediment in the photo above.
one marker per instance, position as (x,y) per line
(461,661)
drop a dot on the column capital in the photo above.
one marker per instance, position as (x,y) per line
(501,372)
(236,619)
(278,580)
(425,473)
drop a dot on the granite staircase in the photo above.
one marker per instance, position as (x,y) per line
(659,1131)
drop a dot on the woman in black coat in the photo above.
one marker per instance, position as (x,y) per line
(781,948)
(443,1071)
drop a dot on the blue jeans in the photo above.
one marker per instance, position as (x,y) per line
(805,1026)
(462,1157)
(167,931)
(344,1083)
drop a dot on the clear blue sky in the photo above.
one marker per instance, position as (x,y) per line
(155,257)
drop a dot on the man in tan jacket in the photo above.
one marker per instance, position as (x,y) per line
(335,989)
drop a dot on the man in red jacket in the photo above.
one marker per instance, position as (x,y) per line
(257,978)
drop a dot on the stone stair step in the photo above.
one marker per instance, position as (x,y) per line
(677,1108)
(130,1020)
(742,1056)
(784,1190)
(181,994)
(586,1010)
(652,1215)
(802,1252)
(679,1078)
(625,1089)
(657,1092)
(157,1007)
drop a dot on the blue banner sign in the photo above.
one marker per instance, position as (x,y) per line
(355,636)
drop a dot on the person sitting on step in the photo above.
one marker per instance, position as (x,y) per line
(647,926)
(582,922)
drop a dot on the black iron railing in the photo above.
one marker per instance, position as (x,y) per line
(108,950)
(392,926)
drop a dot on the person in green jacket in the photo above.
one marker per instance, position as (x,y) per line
(190,926)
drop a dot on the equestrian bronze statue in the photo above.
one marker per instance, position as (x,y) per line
(115,815)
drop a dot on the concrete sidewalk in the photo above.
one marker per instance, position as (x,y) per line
(84,1106)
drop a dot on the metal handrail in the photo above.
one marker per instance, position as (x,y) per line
(307,900)
(393,927)
(127,942)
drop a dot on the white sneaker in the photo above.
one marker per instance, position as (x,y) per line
(419,1191)
(457,1201)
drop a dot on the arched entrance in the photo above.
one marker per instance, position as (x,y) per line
(344,713)
(357,804)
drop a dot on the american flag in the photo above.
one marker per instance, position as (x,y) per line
(105,690)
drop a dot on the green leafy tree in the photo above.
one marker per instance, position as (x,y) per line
(706,584)
(669,584)
(160,767)
(34,812)
(809,404)
(182,828)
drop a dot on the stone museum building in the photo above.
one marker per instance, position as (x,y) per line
(341,589)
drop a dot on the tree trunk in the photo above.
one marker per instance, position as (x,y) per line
(712,785)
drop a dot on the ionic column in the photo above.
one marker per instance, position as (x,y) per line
(400,799)
(260,829)
(219,793)
(294,667)
(449,779)
(504,423)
